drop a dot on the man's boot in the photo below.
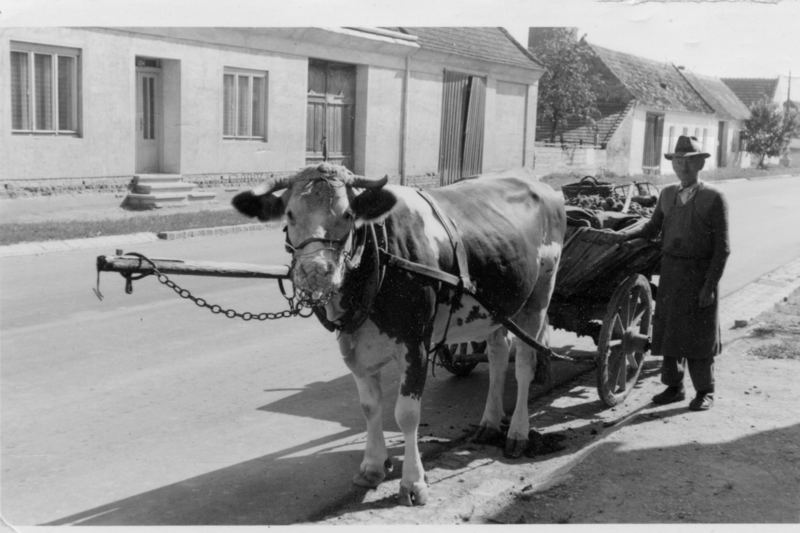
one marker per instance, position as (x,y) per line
(672,394)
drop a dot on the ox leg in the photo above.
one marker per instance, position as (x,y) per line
(524,368)
(375,464)
(489,429)
(413,488)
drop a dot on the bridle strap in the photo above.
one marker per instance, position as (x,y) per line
(330,243)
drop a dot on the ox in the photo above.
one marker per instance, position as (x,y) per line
(502,236)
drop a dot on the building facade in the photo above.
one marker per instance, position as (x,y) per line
(423,105)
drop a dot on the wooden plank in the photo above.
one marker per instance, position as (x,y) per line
(135,265)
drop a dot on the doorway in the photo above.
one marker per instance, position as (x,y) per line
(653,138)
(463,110)
(149,113)
(330,114)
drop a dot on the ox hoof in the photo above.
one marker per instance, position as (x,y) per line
(416,494)
(488,435)
(371,480)
(514,449)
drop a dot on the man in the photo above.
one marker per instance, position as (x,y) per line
(692,218)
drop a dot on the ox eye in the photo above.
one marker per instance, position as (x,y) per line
(290,217)
(349,215)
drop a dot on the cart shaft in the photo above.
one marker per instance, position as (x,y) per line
(137,265)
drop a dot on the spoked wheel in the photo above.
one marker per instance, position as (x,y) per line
(452,358)
(624,339)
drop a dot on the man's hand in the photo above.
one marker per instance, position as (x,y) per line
(707,296)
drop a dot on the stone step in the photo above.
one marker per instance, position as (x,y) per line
(154,178)
(154,200)
(158,187)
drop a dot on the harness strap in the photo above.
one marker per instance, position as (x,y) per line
(452,280)
(455,239)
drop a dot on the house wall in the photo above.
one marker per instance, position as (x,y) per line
(504,140)
(675,124)
(424,123)
(381,145)
(105,146)
(192,77)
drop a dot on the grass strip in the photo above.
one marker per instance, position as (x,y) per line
(13,233)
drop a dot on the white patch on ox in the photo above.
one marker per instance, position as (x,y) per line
(471,321)
(367,349)
(434,231)
(549,255)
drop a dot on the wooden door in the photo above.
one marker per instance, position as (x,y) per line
(330,114)
(461,138)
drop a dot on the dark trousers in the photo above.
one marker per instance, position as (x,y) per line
(700,370)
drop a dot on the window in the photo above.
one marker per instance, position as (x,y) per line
(244,104)
(44,89)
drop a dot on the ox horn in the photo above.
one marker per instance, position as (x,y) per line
(366,183)
(272,184)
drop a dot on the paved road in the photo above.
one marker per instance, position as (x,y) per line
(143,409)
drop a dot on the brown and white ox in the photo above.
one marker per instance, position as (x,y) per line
(512,231)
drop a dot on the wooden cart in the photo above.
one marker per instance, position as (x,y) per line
(603,290)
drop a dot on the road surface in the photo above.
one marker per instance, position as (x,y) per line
(144,409)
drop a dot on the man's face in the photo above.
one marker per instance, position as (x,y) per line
(687,167)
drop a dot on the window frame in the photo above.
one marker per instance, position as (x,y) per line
(31,50)
(250,74)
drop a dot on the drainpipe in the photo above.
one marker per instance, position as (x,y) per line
(404,123)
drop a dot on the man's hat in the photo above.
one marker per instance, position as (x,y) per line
(687,147)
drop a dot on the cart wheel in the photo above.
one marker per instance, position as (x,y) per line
(624,339)
(450,360)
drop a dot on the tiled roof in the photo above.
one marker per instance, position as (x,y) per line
(718,95)
(750,90)
(652,83)
(577,131)
(483,43)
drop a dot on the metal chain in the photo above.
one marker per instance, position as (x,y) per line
(295,308)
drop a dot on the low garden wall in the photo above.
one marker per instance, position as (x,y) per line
(550,158)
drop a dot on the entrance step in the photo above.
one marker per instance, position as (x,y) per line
(155,178)
(163,186)
(136,200)
(149,191)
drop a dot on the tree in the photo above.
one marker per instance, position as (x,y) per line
(565,89)
(769,130)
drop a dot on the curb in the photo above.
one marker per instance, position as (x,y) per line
(740,307)
(204,232)
(43,247)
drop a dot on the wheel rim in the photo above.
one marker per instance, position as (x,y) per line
(624,339)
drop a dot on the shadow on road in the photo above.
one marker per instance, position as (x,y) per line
(313,477)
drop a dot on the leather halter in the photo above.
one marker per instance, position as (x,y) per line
(371,237)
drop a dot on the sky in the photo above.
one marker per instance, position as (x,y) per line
(733,38)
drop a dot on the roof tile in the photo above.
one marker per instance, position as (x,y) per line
(719,96)
(482,43)
(653,83)
(750,90)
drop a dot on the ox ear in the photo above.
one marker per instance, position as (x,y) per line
(372,204)
(265,207)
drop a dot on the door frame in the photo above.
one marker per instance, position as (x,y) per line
(144,67)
